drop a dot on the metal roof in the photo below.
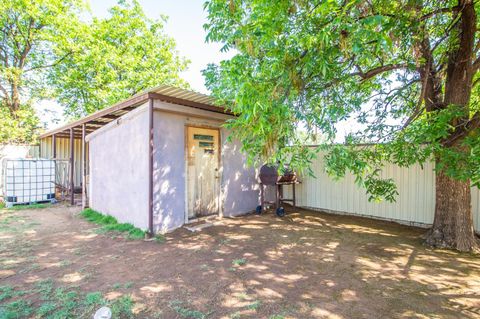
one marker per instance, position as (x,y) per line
(165,93)
(183,94)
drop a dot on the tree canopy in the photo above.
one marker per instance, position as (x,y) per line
(314,64)
(114,58)
(405,72)
(29,35)
(54,49)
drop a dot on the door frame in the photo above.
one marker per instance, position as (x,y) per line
(220,170)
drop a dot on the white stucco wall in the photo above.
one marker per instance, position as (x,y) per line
(119,169)
(240,186)
(168,171)
(238,183)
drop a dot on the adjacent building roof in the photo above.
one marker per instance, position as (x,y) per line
(165,93)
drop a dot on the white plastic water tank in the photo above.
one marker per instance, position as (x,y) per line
(28,180)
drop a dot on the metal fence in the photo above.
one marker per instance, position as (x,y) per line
(414,205)
(63,153)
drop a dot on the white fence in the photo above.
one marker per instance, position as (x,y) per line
(414,205)
(19,151)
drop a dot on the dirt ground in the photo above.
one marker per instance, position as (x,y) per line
(306,265)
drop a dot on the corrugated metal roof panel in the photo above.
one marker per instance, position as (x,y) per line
(183,94)
(166,90)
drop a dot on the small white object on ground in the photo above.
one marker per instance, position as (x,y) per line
(103,313)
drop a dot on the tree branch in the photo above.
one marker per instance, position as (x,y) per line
(49,65)
(475,82)
(441,10)
(28,46)
(463,130)
(375,71)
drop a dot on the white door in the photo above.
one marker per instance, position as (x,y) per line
(203,189)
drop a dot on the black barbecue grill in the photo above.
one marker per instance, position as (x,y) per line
(269,176)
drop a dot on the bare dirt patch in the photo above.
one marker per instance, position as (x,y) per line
(306,265)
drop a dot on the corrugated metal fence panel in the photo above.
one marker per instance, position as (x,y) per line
(476,208)
(414,204)
(63,152)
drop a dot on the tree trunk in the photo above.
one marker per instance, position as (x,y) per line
(453,223)
(15,100)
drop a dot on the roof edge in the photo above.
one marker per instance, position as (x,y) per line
(138,100)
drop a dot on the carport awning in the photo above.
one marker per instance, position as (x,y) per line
(164,93)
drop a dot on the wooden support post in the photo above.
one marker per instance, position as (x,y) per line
(150,167)
(72,167)
(54,146)
(294,196)
(84,168)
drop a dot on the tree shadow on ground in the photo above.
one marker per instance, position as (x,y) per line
(307,265)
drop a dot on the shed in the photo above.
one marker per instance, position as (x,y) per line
(158,160)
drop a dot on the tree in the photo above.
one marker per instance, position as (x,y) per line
(29,34)
(48,51)
(115,58)
(22,128)
(405,71)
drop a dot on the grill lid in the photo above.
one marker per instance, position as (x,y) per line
(269,175)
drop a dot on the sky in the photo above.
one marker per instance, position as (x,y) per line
(185,25)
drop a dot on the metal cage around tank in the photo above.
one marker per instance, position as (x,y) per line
(26,181)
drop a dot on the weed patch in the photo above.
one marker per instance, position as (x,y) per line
(186,312)
(159,238)
(122,307)
(254,305)
(239,262)
(60,302)
(16,309)
(30,206)
(110,224)
(6,292)
(126,285)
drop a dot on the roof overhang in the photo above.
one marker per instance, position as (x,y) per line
(164,93)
